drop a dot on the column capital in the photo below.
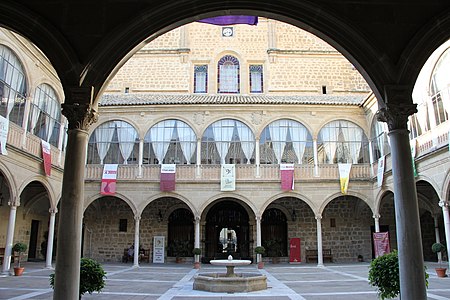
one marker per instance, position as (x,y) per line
(376,216)
(396,114)
(80,116)
(258,218)
(137,217)
(443,203)
(15,202)
(197,219)
(318,217)
(53,210)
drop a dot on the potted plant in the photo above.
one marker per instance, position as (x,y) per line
(197,252)
(260,250)
(384,275)
(19,248)
(180,249)
(92,277)
(274,250)
(360,258)
(439,248)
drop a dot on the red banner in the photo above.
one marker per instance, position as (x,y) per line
(167,180)
(294,251)
(109,178)
(287,177)
(381,243)
(47,157)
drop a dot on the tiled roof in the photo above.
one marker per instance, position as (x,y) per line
(164,99)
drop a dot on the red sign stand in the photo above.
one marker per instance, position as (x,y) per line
(294,251)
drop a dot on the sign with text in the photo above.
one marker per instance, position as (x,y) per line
(228,178)
(381,243)
(4,128)
(167,181)
(47,157)
(109,177)
(158,249)
(287,177)
(294,251)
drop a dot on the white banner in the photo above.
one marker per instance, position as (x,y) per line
(344,176)
(158,249)
(228,178)
(380,171)
(4,127)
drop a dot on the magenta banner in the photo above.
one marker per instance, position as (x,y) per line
(167,180)
(231,20)
(381,243)
(287,177)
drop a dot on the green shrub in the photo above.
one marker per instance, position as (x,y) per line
(19,248)
(384,274)
(197,251)
(92,277)
(260,250)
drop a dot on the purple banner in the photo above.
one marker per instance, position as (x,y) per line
(231,20)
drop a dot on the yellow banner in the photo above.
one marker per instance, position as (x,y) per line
(344,175)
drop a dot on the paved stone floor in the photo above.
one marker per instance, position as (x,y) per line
(174,281)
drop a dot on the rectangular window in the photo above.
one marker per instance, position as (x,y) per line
(256,78)
(439,112)
(123,224)
(201,79)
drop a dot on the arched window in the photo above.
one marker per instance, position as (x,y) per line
(114,142)
(342,142)
(286,141)
(45,115)
(228,75)
(380,143)
(439,88)
(228,141)
(170,142)
(13,86)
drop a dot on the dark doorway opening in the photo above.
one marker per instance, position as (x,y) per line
(34,231)
(227,232)
(274,232)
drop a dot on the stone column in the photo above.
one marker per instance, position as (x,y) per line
(412,275)
(377,222)
(197,237)
(444,205)
(137,220)
(438,236)
(316,158)
(80,117)
(10,236)
(319,241)
(258,236)
(50,237)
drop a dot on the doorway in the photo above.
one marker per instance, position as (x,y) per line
(34,231)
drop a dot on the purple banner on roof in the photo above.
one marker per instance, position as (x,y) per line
(231,20)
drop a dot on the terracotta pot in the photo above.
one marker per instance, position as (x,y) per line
(196,265)
(18,271)
(261,265)
(441,272)
(179,260)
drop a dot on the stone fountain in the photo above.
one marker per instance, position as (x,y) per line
(230,282)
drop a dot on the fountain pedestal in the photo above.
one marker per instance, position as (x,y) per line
(230,282)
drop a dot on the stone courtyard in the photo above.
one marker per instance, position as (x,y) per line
(174,281)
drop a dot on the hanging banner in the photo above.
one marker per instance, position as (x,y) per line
(167,181)
(381,243)
(380,172)
(158,249)
(231,20)
(109,178)
(4,127)
(344,175)
(287,177)
(413,155)
(227,178)
(47,157)
(294,251)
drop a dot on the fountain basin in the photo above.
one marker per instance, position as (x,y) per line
(221,283)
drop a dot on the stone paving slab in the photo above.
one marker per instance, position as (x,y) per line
(174,281)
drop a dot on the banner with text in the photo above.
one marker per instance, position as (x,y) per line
(109,178)
(167,181)
(381,243)
(158,249)
(287,177)
(294,251)
(228,178)
(344,176)
(4,127)
(47,157)
(380,172)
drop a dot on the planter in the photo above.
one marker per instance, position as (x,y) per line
(275,260)
(196,265)
(441,272)
(18,271)
(261,265)
(179,260)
